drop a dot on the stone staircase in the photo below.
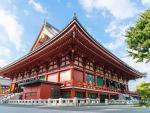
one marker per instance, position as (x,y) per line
(126,97)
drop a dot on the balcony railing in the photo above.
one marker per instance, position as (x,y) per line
(92,86)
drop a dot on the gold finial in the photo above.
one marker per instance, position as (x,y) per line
(44,22)
(74,16)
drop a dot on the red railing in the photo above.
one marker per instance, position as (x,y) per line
(90,86)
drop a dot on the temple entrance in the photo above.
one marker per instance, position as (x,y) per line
(103,96)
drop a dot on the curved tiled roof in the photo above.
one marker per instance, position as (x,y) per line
(56,36)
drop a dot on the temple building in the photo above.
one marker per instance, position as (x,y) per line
(69,63)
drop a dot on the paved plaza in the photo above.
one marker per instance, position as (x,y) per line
(82,109)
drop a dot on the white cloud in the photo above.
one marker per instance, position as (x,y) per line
(142,67)
(88,5)
(145,2)
(120,9)
(4,52)
(117,31)
(11,28)
(37,6)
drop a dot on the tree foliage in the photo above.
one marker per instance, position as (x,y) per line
(144,90)
(138,38)
(0,88)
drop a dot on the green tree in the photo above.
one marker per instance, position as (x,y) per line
(138,38)
(144,90)
(0,88)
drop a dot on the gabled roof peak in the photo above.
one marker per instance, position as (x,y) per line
(47,32)
(46,24)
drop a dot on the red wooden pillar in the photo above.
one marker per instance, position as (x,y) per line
(72,73)
(84,68)
(105,79)
(98,94)
(37,75)
(95,77)
(47,70)
(11,87)
(109,96)
(72,94)
(46,66)
(83,74)
(86,94)
(58,76)
(37,69)
(119,87)
(46,76)
(58,64)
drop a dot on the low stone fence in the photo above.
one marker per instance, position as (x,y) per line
(57,102)
(72,102)
(123,102)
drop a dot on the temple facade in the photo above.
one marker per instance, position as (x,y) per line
(69,63)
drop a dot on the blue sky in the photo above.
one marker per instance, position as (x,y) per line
(105,20)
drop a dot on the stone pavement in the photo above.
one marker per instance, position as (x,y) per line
(82,109)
